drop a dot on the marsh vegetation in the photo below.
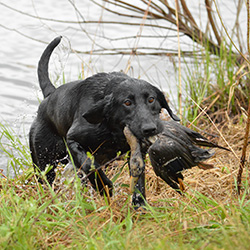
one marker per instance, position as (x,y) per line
(213,95)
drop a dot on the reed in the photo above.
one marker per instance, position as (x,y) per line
(213,83)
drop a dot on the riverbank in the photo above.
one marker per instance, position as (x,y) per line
(209,216)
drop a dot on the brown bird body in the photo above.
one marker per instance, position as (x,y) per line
(178,148)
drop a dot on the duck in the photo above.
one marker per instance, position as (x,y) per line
(176,149)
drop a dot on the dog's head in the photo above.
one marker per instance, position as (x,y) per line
(132,102)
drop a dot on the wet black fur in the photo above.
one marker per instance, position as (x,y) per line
(90,115)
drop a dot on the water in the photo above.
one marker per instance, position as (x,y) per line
(23,39)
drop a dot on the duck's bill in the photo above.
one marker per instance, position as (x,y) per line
(133,182)
(152,139)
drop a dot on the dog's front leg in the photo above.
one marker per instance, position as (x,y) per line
(137,177)
(139,195)
(96,176)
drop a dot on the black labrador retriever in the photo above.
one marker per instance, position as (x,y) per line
(89,116)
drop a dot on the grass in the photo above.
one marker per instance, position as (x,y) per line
(42,220)
(209,216)
(217,84)
(14,149)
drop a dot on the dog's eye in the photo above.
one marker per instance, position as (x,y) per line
(127,102)
(151,99)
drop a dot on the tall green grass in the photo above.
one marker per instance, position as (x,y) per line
(44,219)
(215,83)
(14,148)
(70,217)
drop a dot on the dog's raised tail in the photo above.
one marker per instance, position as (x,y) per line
(43,74)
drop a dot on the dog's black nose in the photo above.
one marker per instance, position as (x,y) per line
(149,129)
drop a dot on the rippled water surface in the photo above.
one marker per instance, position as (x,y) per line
(23,38)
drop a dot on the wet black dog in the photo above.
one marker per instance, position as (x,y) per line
(90,115)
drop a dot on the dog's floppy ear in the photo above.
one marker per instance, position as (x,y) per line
(164,104)
(97,112)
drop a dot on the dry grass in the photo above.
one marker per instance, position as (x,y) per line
(71,217)
(217,183)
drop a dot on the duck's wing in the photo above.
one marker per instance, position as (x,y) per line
(186,134)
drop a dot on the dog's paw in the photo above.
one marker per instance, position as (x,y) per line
(138,201)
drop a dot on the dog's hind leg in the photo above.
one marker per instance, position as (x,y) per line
(47,149)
